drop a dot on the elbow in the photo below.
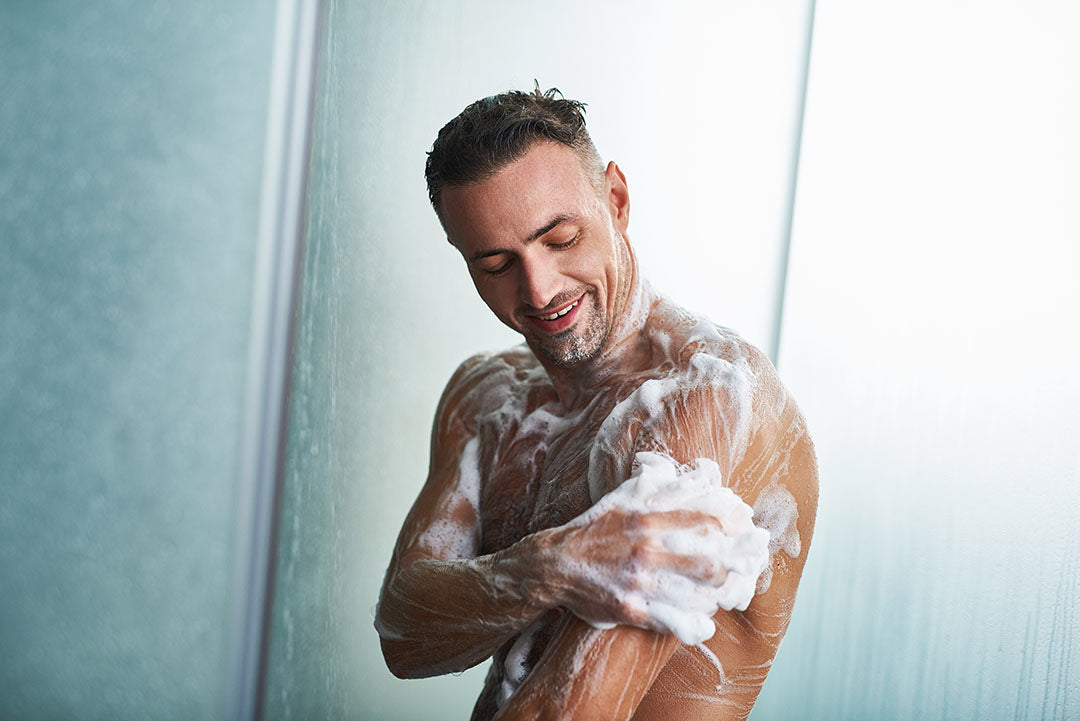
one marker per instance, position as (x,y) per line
(410,653)
(407,660)
(399,652)
(398,661)
(415,658)
(405,657)
(402,660)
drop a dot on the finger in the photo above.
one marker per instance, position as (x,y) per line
(634,609)
(681,518)
(685,594)
(691,628)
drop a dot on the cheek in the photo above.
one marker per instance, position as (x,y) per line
(498,297)
(606,272)
(593,266)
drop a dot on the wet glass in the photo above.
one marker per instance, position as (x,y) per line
(131,146)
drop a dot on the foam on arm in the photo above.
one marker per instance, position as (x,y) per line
(674,603)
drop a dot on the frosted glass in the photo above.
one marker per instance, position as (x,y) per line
(930,336)
(131,142)
(698,102)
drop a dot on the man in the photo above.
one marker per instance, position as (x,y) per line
(527,523)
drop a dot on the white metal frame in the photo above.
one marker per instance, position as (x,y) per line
(278,263)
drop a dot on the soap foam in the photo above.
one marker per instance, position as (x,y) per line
(777,511)
(516,664)
(448,536)
(677,604)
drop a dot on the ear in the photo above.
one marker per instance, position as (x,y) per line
(618,197)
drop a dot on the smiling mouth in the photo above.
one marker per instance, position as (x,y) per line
(560,313)
(559,320)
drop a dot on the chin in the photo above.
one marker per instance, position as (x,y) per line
(570,351)
(569,359)
(580,343)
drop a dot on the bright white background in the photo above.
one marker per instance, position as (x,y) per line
(930,336)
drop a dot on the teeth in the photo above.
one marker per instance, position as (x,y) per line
(561,313)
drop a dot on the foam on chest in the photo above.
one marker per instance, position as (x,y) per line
(537,471)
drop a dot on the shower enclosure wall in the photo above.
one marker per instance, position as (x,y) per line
(207,450)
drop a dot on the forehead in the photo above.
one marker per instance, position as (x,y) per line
(548,180)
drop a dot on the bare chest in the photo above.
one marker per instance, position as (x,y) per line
(536,473)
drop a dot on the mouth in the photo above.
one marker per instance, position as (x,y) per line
(558,320)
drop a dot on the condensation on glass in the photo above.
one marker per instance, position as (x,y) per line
(131,146)
(929,338)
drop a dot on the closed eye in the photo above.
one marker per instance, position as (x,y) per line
(570,243)
(495,272)
(501,269)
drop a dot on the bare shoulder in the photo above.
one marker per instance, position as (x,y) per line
(730,404)
(444,520)
(483,384)
(708,391)
(727,380)
(695,345)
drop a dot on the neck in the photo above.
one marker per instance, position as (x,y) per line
(625,349)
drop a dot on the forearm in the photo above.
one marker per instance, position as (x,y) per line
(437,617)
(617,563)
(588,673)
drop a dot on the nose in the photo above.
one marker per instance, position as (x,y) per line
(540,282)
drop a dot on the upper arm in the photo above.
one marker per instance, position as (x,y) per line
(444,522)
(754,431)
(775,472)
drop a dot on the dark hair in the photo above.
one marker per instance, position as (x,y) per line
(493,132)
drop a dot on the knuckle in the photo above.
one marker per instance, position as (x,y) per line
(640,522)
(630,611)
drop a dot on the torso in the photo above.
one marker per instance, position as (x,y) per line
(536,471)
(536,457)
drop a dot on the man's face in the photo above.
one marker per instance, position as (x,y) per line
(546,250)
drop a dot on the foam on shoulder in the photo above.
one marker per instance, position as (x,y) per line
(693,357)
(678,604)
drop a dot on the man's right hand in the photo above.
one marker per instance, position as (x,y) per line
(664,551)
(608,569)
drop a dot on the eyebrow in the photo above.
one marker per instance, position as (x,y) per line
(555,222)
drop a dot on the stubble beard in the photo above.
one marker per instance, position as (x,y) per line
(577,344)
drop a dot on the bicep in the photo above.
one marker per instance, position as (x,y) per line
(760,442)
(774,472)
(771,466)
(443,522)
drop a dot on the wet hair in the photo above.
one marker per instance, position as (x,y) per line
(492,133)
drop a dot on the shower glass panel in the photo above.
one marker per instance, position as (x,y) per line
(930,336)
(131,146)
(388,310)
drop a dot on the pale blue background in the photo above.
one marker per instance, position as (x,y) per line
(131,143)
